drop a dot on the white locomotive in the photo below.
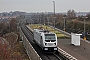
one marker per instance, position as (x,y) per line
(45,39)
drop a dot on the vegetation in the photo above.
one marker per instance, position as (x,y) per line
(76,26)
(74,22)
(11,47)
(59,34)
(7,27)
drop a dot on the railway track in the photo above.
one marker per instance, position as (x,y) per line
(54,56)
(44,56)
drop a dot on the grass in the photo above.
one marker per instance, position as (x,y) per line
(59,34)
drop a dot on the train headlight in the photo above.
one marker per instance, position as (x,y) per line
(46,48)
(55,48)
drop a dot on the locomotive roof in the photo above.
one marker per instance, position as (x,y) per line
(43,31)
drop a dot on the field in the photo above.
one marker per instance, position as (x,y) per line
(59,34)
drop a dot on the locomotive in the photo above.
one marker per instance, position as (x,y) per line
(45,39)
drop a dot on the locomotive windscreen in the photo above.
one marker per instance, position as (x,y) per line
(50,37)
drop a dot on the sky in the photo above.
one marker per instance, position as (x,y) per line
(44,5)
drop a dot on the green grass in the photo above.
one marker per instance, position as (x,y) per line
(59,34)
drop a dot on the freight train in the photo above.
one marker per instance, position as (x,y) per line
(46,40)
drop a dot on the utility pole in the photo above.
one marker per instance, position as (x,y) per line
(54,12)
(48,20)
(64,24)
(84,29)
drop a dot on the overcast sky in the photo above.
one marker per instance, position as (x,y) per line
(44,5)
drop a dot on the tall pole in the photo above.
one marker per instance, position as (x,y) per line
(64,23)
(54,12)
(84,33)
(44,18)
(84,30)
(48,19)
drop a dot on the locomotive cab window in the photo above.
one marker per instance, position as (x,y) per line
(50,37)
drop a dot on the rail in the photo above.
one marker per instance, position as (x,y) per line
(66,55)
(53,56)
(62,52)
